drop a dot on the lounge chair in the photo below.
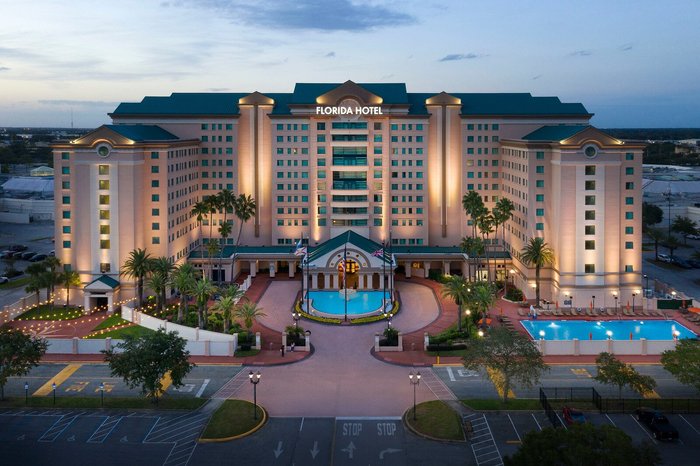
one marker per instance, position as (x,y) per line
(610,313)
(521,313)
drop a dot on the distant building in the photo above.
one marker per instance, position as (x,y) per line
(41,171)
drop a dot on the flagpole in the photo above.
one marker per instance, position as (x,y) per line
(384,276)
(301,304)
(345,279)
(391,265)
(308,278)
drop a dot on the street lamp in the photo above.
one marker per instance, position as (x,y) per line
(255,379)
(673,294)
(615,296)
(296,316)
(609,334)
(541,334)
(593,301)
(102,394)
(26,393)
(415,380)
(468,312)
(634,295)
(53,386)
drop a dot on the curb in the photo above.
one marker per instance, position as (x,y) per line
(263,421)
(283,363)
(404,418)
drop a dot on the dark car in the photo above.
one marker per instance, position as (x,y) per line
(38,258)
(680,262)
(694,263)
(573,416)
(28,255)
(17,255)
(18,247)
(657,423)
(6,254)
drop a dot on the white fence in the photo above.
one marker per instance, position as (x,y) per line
(10,311)
(578,347)
(82,346)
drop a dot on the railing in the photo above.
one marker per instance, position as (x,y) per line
(553,418)
(549,395)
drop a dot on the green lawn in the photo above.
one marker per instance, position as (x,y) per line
(437,420)
(20,282)
(234,417)
(459,353)
(493,404)
(243,354)
(114,319)
(134,330)
(135,402)
(44,313)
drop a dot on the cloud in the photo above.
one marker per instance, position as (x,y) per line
(312,15)
(218,89)
(536,77)
(78,103)
(460,56)
(387,76)
(330,55)
(626,47)
(4,68)
(581,53)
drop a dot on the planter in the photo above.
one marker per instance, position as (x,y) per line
(379,344)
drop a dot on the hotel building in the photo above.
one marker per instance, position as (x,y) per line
(366,163)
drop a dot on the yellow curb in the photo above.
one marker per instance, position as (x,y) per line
(57,379)
(429,437)
(449,364)
(244,434)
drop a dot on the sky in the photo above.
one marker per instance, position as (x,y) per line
(633,63)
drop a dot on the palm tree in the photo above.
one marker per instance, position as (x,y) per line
(212,205)
(456,289)
(183,279)
(212,251)
(53,263)
(70,278)
(485,224)
(501,214)
(539,254)
(226,200)
(244,208)
(157,283)
(473,248)
(473,206)
(200,210)
(656,235)
(137,267)
(482,298)
(234,291)
(248,312)
(163,267)
(202,291)
(224,306)
(38,279)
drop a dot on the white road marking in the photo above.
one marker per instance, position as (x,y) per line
(201,389)
(451,375)
(645,431)
(301,426)
(611,421)
(691,426)
(516,430)
(538,424)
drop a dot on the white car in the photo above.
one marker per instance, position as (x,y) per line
(692,236)
(4,280)
(664,258)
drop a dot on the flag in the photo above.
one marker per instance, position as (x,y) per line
(300,250)
(378,252)
(341,265)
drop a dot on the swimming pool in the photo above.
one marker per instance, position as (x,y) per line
(602,330)
(359,303)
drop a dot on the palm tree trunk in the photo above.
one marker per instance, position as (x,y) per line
(211,262)
(68,296)
(537,285)
(235,248)
(180,310)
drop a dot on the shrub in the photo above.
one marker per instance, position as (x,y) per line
(391,336)
(448,347)
(436,275)
(514,294)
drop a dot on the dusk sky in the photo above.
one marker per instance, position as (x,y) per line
(633,63)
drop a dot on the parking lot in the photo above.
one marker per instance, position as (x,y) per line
(84,380)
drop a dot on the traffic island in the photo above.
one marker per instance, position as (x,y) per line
(232,420)
(435,420)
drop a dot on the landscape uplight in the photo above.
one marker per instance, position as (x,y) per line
(609,334)
(542,334)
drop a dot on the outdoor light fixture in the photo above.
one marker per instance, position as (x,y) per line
(415,380)
(255,379)
(102,394)
(541,334)
(609,334)
(296,316)
(468,312)
(53,386)
(26,393)
(480,333)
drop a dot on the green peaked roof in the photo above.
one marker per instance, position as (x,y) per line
(555,133)
(143,133)
(106,280)
(351,237)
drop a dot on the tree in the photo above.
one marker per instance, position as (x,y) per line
(144,361)
(481,298)
(70,278)
(684,362)
(137,267)
(473,248)
(684,226)
(37,279)
(455,288)
(212,251)
(225,306)
(501,214)
(580,444)
(200,210)
(655,235)
(212,204)
(19,353)
(224,230)
(202,291)
(244,208)
(671,243)
(52,276)
(157,283)
(612,371)
(512,355)
(539,254)
(485,224)
(473,206)
(183,279)
(226,200)
(651,215)
(247,312)
(162,267)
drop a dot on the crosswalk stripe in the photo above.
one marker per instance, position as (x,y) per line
(57,379)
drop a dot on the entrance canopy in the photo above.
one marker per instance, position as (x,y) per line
(365,252)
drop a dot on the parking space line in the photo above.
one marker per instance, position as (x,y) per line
(201,389)
(450,374)
(691,426)
(536,422)
(513,424)
(57,379)
(106,428)
(58,427)
(645,431)
(611,421)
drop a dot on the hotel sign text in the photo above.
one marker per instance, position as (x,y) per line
(348,110)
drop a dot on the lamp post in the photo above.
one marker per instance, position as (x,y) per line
(615,296)
(255,379)
(634,295)
(673,294)
(296,316)
(646,290)
(468,312)
(102,394)
(542,334)
(415,380)
(480,333)
(53,386)
(593,301)
(26,393)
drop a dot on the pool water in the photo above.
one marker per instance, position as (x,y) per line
(598,330)
(361,302)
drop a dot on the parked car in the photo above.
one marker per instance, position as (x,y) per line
(657,424)
(6,254)
(18,247)
(681,262)
(692,236)
(52,253)
(694,263)
(17,255)
(4,280)
(28,255)
(573,416)
(38,258)
(664,258)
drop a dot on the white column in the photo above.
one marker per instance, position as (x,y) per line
(253,268)
(407,268)
(110,303)
(86,301)
(465,269)
(314,280)
(292,268)
(426,269)
(446,267)
(305,281)
(331,281)
(381,280)
(273,268)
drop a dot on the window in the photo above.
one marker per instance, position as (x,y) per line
(155,240)
(629,156)
(629,245)
(590,215)
(629,230)
(205,126)
(590,200)
(65,155)
(66,244)
(320,126)
(65,184)
(155,197)
(590,185)
(629,268)
(104,199)
(154,155)
(629,215)
(155,226)
(539,212)
(539,155)
(66,214)
(105,267)
(65,170)
(103,169)
(590,244)
(104,229)
(104,214)
(629,201)
(590,229)
(66,230)
(155,169)
(590,169)
(539,197)
(470,126)
(539,226)
(155,184)
(66,199)
(629,185)
(103,184)
(539,184)
(589,268)
(104,244)
(629,171)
